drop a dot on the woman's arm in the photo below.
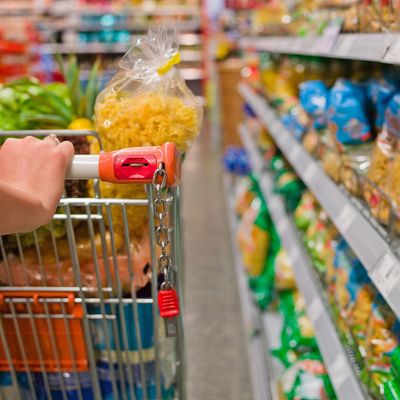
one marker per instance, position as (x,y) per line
(32,173)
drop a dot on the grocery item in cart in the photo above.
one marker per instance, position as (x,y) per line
(43,268)
(146,103)
(378,175)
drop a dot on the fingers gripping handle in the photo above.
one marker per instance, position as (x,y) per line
(132,165)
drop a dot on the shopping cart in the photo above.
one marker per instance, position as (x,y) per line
(72,323)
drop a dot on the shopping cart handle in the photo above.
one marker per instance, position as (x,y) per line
(132,165)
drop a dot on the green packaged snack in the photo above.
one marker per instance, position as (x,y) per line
(253,237)
(290,187)
(307,379)
(391,390)
(263,285)
(298,333)
(306,211)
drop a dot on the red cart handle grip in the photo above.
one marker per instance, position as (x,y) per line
(131,165)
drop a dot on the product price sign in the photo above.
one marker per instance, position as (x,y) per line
(386,276)
(339,370)
(295,153)
(330,35)
(310,173)
(393,53)
(346,218)
(283,226)
(316,309)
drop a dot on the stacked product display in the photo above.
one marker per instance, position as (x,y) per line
(316,107)
(92,28)
(311,17)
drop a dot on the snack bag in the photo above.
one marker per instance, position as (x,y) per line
(306,212)
(307,379)
(297,333)
(347,114)
(384,150)
(355,164)
(245,194)
(147,103)
(379,94)
(284,275)
(314,100)
(253,237)
(380,347)
(290,187)
(263,286)
(354,293)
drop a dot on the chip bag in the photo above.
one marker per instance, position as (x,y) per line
(253,237)
(147,103)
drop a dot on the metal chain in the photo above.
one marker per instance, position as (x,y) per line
(162,232)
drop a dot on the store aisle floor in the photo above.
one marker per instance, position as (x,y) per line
(215,339)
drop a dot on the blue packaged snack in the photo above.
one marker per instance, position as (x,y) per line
(314,100)
(293,124)
(347,114)
(379,94)
(236,161)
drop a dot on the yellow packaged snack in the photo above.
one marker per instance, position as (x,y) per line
(147,103)
(253,237)
(383,173)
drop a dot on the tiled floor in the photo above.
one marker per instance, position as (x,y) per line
(215,345)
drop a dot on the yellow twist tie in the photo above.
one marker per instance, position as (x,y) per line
(175,59)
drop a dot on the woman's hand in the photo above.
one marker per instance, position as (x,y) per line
(32,173)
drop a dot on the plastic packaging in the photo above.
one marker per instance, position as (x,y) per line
(147,103)
(284,275)
(314,100)
(253,237)
(355,164)
(347,114)
(383,153)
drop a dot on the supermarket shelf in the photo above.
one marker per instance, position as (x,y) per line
(339,367)
(104,48)
(66,8)
(257,344)
(378,258)
(378,47)
(81,26)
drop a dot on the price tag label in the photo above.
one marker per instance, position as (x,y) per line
(283,226)
(295,153)
(346,217)
(315,310)
(393,54)
(339,370)
(310,172)
(386,275)
(330,36)
(294,254)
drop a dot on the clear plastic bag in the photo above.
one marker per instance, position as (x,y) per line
(147,103)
